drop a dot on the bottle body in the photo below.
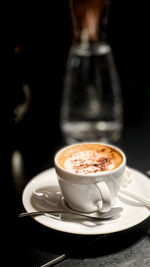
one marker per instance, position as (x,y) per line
(91,107)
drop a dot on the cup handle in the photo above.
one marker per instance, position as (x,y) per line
(104,204)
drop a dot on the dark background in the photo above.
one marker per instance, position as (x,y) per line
(42,32)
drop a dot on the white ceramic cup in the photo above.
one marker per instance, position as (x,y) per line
(90,192)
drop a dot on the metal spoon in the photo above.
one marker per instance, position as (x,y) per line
(95,215)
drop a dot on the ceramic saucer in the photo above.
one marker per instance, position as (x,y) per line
(133,212)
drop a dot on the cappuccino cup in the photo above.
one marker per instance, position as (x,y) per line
(89,175)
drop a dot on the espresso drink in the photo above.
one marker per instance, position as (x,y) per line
(89,158)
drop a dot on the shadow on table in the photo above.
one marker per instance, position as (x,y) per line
(80,246)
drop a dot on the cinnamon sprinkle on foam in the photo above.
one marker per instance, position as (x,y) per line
(86,162)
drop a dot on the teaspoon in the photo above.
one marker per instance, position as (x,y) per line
(95,215)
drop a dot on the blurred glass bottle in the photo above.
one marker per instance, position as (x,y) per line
(91,107)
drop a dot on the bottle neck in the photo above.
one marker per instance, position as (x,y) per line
(89,19)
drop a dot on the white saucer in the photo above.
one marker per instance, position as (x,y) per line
(133,212)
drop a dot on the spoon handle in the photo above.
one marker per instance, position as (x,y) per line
(36,213)
(143,200)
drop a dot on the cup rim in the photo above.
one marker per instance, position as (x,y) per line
(102,173)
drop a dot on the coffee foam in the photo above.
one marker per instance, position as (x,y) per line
(89,158)
(88,162)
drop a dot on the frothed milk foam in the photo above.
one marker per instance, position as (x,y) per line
(89,158)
